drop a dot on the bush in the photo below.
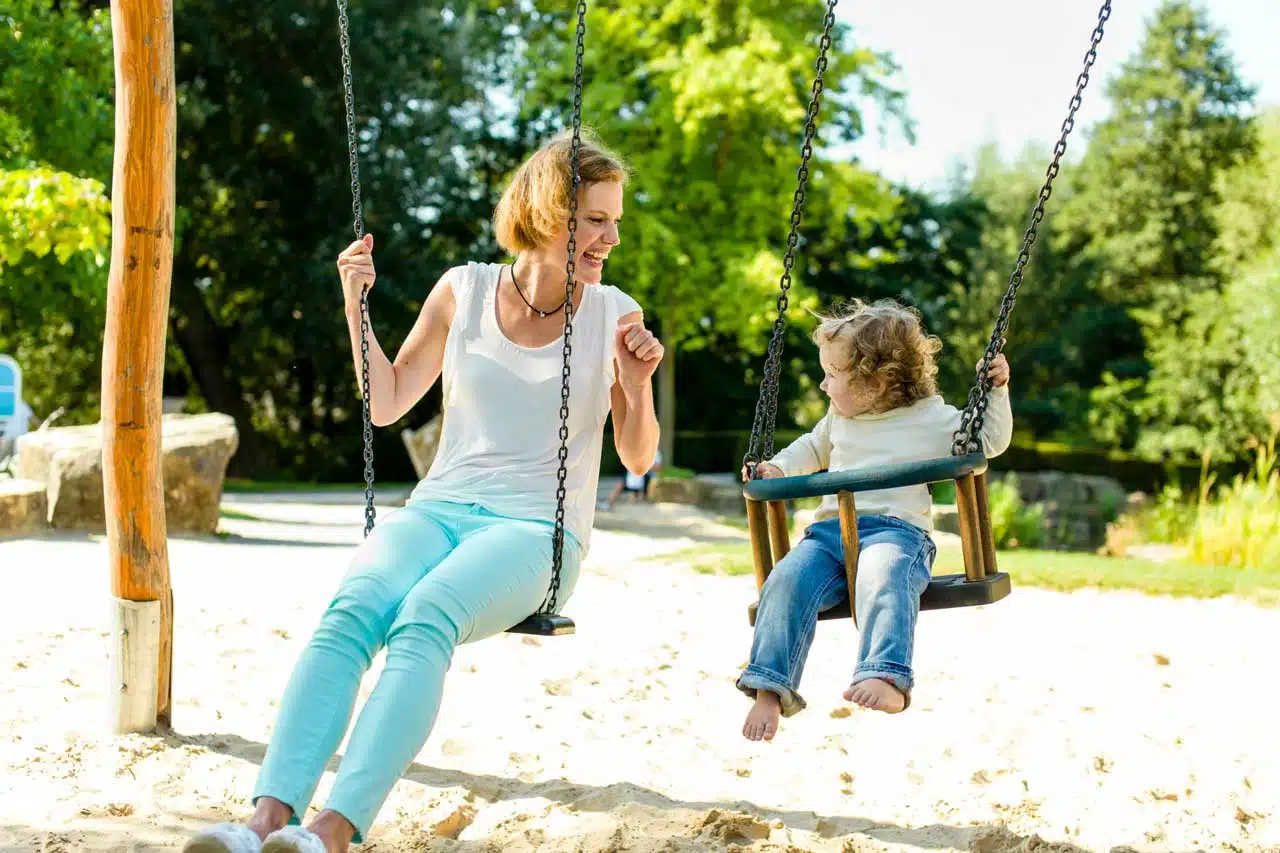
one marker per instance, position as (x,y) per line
(1013,524)
(1240,526)
(1234,526)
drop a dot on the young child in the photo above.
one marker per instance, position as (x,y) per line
(879,373)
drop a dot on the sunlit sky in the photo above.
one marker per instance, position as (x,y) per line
(1004,70)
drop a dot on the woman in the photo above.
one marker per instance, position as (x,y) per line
(470,554)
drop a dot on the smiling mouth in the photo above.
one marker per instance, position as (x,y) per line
(594,257)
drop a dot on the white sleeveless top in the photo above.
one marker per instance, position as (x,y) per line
(500,446)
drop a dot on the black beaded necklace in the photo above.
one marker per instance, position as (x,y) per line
(520,290)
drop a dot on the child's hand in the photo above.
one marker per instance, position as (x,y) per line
(999,372)
(766,470)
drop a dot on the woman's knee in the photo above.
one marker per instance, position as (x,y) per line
(425,629)
(362,608)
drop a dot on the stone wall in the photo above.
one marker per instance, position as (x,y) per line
(1077,507)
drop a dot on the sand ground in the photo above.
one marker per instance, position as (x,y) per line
(1048,722)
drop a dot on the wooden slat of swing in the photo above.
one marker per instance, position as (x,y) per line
(945,592)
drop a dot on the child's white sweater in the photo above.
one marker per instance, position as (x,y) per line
(912,433)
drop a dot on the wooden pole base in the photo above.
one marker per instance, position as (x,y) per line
(135,665)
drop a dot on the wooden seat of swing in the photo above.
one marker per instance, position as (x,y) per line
(981,582)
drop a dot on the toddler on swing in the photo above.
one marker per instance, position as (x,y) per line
(879,374)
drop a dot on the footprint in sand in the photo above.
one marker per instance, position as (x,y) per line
(733,826)
(558,687)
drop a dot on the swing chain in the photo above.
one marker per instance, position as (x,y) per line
(557,559)
(967,438)
(767,404)
(357,212)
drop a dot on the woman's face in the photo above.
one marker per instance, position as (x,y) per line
(599,213)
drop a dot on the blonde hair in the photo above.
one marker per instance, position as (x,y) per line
(536,202)
(885,344)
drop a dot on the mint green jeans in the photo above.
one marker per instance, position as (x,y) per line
(429,577)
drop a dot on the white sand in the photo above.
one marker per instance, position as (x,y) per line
(1047,722)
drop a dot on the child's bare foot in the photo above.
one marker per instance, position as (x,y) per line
(877,694)
(762,719)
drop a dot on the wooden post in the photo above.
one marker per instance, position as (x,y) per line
(849,542)
(142,212)
(779,529)
(984,526)
(970,533)
(761,555)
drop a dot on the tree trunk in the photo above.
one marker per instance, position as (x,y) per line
(666,403)
(204,344)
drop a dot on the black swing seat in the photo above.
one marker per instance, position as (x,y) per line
(944,593)
(866,479)
(544,625)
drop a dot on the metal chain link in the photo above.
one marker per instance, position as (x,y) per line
(357,213)
(966,439)
(557,560)
(767,405)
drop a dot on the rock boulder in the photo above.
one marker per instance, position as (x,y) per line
(23,508)
(195,450)
(422,443)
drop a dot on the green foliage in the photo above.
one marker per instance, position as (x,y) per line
(263,167)
(1148,324)
(1236,525)
(1240,525)
(1168,519)
(1013,523)
(46,211)
(1147,187)
(55,157)
(1248,215)
(55,91)
(1144,220)
(707,102)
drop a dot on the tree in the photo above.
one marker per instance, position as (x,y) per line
(1143,215)
(707,102)
(55,159)
(266,205)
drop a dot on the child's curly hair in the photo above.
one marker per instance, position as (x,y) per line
(885,342)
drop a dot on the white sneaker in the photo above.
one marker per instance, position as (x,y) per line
(293,839)
(224,838)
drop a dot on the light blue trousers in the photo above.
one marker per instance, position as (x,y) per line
(429,577)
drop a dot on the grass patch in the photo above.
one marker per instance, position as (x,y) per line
(721,558)
(1057,570)
(237,515)
(1067,571)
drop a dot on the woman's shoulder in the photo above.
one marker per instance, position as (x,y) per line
(621,302)
(471,277)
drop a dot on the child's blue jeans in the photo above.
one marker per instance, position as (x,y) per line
(894,565)
(432,575)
